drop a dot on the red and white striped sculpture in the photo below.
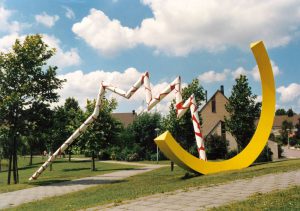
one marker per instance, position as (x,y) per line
(181,108)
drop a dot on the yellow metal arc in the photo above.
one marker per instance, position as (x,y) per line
(176,153)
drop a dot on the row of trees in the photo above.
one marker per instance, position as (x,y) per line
(28,125)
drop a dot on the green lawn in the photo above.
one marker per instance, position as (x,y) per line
(158,181)
(278,200)
(62,171)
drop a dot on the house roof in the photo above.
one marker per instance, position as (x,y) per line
(124,118)
(211,98)
(279,119)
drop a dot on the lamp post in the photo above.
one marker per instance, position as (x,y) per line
(288,138)
(157,131)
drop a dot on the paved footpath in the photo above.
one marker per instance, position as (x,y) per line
(208,197)
(16,198)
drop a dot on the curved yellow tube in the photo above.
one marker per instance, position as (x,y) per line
(176,153)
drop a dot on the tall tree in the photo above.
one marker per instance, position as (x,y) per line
(243,112)
(290,112)
(74,117)
(143,132)
(286,128)
(39,120)
(182,129)
(101,134)
(24,80)
(280,112)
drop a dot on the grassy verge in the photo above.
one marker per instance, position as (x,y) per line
(277,200)
(62,171)
(158,181)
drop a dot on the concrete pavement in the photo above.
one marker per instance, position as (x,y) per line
(209,197)
(16,198)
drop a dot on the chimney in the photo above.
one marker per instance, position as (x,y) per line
(222,89)
(206,96)
(133,112)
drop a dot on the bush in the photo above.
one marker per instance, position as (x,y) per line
(215,147)
(265,155)
(231,154)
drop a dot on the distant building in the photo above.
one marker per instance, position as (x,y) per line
(213,113)
(278,120)
(125,118)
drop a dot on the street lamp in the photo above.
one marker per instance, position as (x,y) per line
(157,131)
(288,138)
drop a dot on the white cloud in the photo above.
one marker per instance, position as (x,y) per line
(74,87)
(212,76)
(108,36)
(69,13)
(181,27)
(5,24)
(62,58)
(46,20)
(289,93)
(239,71)
(7,41)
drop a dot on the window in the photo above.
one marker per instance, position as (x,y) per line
(213,105)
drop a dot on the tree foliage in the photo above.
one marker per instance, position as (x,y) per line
(243,112)
(24,81)
(182,129)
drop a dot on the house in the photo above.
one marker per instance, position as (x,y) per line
(278,120)
(213,114)
(125,118)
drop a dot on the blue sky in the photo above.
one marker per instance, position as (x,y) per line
(118,40)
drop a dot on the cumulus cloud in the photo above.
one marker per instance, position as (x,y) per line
(69,13)
(5,24)
(213,76)
(46,20)
(289,93)
(88,90)
(7,41)
(108,36)
(181,27)
(62,58)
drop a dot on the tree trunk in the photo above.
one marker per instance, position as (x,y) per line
(15,160)
(9,167)
(30,160)
(93,162)
(69,155)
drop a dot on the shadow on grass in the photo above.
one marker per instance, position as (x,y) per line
(77,182)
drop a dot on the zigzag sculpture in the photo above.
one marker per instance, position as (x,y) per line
(181,108)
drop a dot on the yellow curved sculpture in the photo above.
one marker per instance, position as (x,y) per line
(176,153)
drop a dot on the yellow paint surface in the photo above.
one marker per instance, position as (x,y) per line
(176,153)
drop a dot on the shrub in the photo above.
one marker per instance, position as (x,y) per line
(216,147)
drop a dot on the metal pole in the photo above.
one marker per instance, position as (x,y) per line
(157,154)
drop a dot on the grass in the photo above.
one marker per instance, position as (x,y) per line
(277,200)
(158,181)
(62,171)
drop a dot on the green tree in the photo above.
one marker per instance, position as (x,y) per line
(143,132)
(103,132)
(280,112)
(24,80)
(290,112)
(286,128)
(38,122)
(182,129)
(298,129)
(74,118)
(215,147)
(243,112)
